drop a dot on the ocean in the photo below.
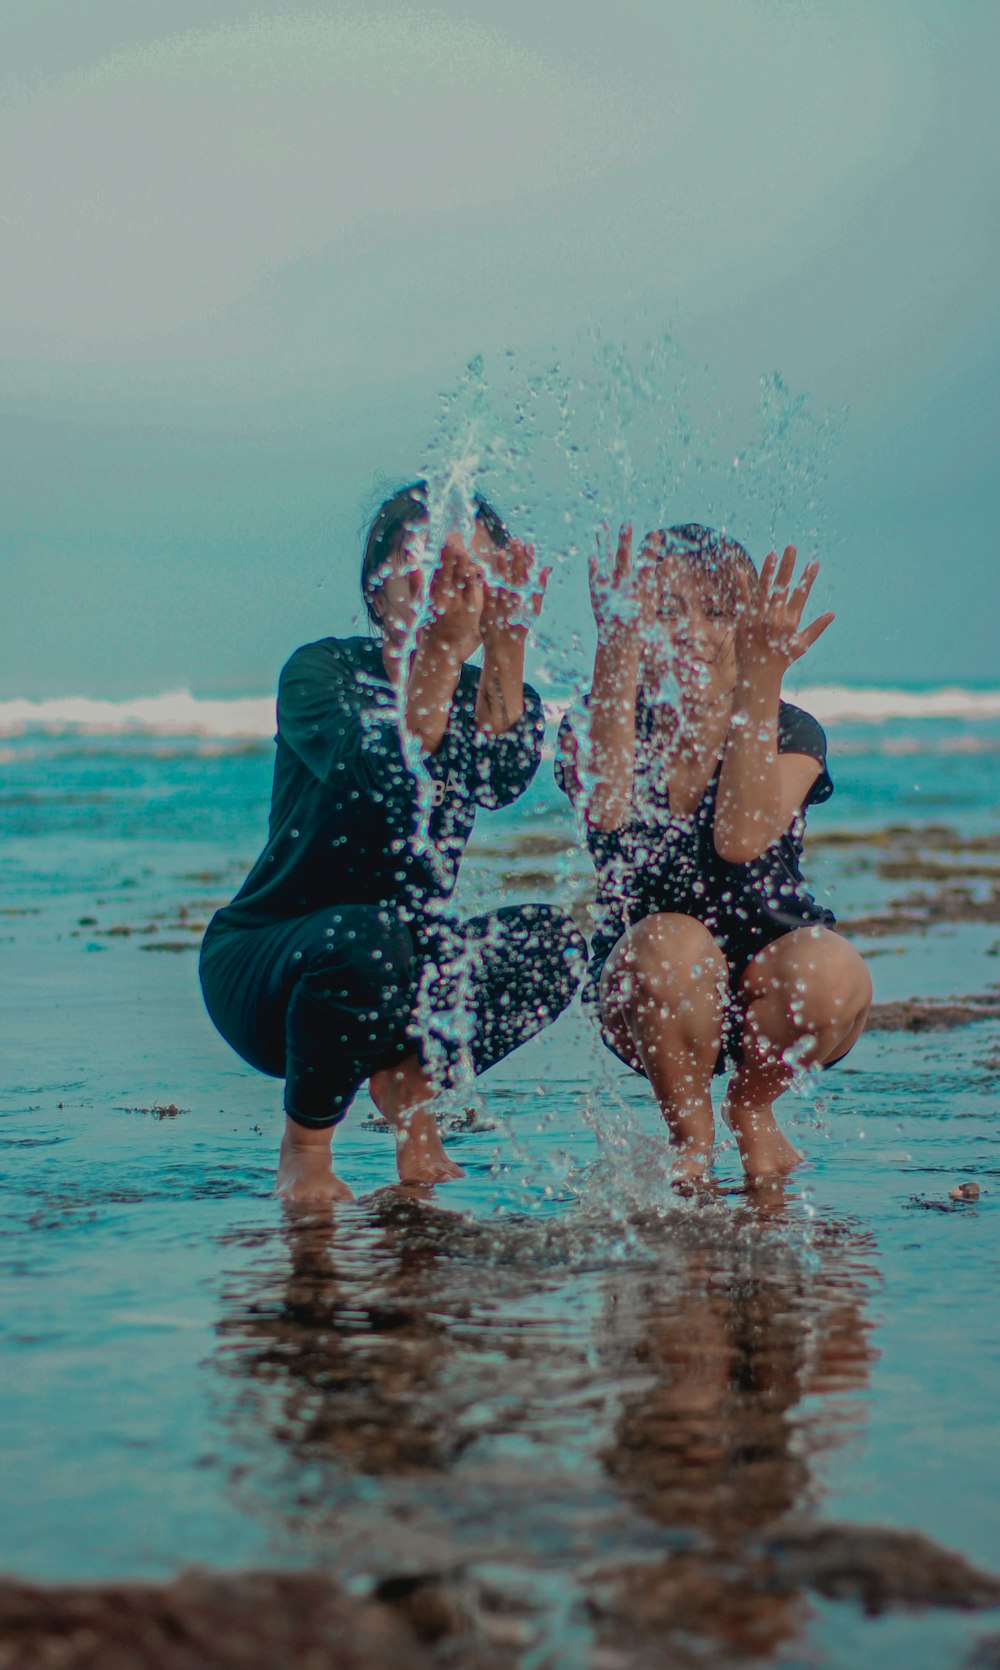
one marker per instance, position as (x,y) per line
(608,1416)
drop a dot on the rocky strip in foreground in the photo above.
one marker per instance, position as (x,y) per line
(916,912)
(743,1600)
(928,1014)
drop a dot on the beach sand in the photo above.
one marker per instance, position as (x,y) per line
(548,1415)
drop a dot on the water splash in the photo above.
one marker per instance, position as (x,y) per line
(605,433)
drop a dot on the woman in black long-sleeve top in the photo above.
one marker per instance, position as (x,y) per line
(336,963)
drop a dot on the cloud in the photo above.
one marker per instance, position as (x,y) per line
(164,183)
(706,144)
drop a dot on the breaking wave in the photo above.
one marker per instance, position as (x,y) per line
(178,713)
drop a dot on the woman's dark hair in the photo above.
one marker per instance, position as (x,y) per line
(407,508)
(723,563)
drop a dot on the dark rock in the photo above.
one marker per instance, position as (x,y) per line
(916,1014)
(202,1621)
(985,1655)
(879,1567)
(952,902)
(739,1604)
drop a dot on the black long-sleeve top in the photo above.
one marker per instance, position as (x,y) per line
(347,818)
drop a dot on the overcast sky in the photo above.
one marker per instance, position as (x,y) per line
(243,253)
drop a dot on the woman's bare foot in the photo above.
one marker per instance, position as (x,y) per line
(764,1148)
(691,1170)
(404,1098)
(420,1153)
(305,1169)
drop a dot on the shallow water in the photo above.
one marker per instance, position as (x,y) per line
(550,1374)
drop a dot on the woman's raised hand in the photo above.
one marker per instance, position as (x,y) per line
(512,595)
(623,599)
(455,600)
(769,630)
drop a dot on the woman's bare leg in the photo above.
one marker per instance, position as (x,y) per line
(807,997)
(662,999)
(404,1096)
(305,1167)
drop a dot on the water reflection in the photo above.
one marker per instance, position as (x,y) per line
(353,1331)
(749,1355)
(627,1424)
(743,1328)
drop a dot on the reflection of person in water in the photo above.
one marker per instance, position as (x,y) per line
(716,1442)
(693,778)
(711,1379)
(335,964)
(350,1328)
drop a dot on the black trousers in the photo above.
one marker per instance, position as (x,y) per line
(325,1000)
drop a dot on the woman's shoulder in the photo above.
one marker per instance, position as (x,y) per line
(327,655)
(799,732)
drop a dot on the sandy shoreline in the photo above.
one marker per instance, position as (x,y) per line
(537,1415)
(650,1612)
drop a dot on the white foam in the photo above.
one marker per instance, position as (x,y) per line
(251,718)
(862,704)
(177,713)
(870,704)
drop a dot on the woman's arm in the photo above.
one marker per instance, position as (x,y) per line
(511,605)
(622,603)
(454,608)
(340,737)
(760,791)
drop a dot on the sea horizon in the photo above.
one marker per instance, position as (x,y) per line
(180,712)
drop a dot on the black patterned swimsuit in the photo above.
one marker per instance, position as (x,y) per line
(659,862)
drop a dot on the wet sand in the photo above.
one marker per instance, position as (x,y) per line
(652,1612)
(705,1352)
(551,1418)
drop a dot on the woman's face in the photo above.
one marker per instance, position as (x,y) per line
(399,586)
(691,643)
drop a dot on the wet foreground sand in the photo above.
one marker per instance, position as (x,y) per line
(703,1391)
(642,1615)
(552,1418)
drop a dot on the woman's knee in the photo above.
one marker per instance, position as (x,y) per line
(819,978)
(668,958)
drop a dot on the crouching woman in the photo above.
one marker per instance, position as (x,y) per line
(338,962)
(693,777)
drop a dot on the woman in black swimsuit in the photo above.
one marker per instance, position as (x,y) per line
(693,777)
(338,962)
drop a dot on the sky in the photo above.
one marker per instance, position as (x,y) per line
(720,260)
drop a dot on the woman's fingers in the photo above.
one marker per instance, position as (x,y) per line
(807,637)
(469,575)
(647,587)
(520,561)
(767,569)
(623,555)
(442,585)
(786,569)
(500,568)
(798,598)
(457,579)
(454,546)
